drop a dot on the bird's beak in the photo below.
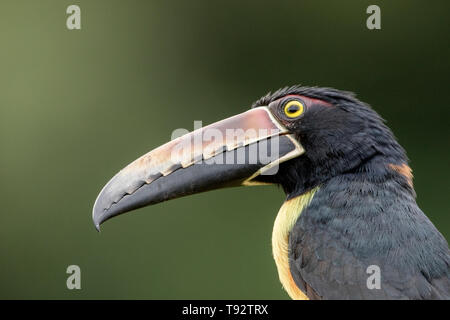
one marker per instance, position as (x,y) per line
(230,152)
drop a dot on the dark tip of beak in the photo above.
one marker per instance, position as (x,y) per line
(97,217)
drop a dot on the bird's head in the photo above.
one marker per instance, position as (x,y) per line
(339,133)
(297,137)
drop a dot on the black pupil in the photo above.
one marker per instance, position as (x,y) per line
(293,109)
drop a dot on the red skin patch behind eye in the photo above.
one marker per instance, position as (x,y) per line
(309,101)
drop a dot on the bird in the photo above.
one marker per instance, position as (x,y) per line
(350,226)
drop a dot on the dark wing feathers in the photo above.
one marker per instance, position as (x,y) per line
(327,261)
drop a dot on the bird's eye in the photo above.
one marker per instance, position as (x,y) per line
(293,109)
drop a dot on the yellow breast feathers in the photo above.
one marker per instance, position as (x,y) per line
(287,216)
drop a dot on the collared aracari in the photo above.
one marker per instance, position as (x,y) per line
(350,208)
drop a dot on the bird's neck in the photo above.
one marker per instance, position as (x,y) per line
(374,169)
(368,176)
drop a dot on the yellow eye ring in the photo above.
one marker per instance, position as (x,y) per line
(293,109)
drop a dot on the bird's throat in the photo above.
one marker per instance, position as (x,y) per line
(287,217)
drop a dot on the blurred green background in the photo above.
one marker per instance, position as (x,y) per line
(77,106)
